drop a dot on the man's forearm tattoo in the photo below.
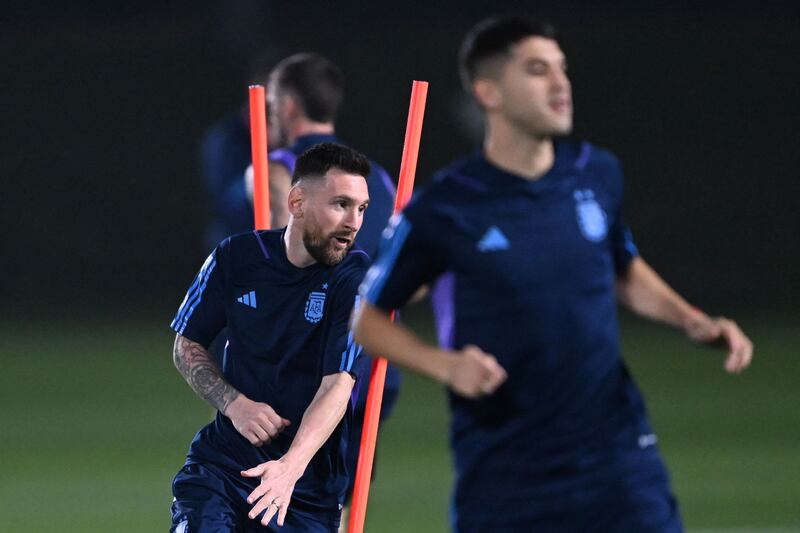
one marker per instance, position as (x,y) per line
(200,370)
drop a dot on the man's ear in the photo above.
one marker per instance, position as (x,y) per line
(296,201)
(487,93)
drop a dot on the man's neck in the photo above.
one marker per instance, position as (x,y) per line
(296,251)
(521,154)
(306,127)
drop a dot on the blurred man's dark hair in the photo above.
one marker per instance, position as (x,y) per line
(315,82)
(489,43)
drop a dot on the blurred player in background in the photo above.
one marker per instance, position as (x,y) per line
(283,394)
(225,154)
(529,254)
(304,94)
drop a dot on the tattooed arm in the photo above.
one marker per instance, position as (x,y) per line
(257,422)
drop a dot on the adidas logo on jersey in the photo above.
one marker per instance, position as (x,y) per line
(248,299)
(493,240)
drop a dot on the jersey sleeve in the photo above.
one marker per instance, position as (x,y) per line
(407,260)
(341,351)
(623,248)
(201,316)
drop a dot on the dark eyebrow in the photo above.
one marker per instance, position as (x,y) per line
(347,199)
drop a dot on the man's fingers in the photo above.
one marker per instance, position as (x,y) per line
(252,438)
(493,375)
(261,504)
(498,372)
(272,418)
(282,513)
(257,493)
(271,510)
(256,471)
(262,435)
(740,358)
(269,429)
(741,349)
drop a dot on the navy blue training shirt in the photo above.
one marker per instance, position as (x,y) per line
(381,206)
(525,270)
(381,190)
(287,329)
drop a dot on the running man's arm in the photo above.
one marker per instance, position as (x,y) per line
(407,261)
(257,422)
(278,478)
(469,372)
(644,292)
(280,181)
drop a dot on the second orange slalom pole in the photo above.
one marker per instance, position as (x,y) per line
(258,145)
(405,186)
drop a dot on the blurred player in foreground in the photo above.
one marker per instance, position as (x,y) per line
(277,446)
(305,92)
(529,254)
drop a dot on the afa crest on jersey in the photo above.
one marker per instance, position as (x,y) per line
(314,307)
(592,219)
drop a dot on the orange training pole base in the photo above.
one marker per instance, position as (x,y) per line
(405,185)
(258,143)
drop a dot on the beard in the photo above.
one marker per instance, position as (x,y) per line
(321,247)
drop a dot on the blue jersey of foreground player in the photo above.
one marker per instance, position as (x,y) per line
(526,270)
(381,190)
(287,329)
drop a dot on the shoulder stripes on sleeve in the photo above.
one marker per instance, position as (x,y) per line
(387,256)
(630,246)
(194,294)
(353,350)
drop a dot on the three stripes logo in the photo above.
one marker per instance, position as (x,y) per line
(248,299)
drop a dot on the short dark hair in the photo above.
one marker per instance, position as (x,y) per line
(492,38)
(316,82)
(320,158)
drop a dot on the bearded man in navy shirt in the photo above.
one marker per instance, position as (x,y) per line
(528,255)
(275,452)
(305,92)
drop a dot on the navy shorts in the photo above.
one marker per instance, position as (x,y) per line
(627,492)
(206,499)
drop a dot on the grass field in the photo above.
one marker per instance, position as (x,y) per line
(95,422)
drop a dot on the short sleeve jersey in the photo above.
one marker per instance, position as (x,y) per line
(287,329)
(381,190)
(525,270)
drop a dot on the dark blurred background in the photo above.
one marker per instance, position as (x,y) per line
(104,105)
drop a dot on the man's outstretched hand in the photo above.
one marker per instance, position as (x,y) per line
(274,492)
(705,329)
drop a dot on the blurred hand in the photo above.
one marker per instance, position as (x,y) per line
(275,490)
(474,373)
(257,422)
(702,328)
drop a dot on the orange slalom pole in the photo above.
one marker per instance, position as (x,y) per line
(258,144)
(405,185)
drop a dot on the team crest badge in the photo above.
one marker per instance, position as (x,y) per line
(591,217)
(314,306)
